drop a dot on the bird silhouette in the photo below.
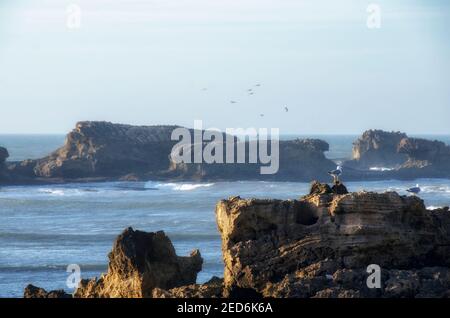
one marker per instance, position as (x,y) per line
(262,115)
(336,173)
(233,102)
(286,109)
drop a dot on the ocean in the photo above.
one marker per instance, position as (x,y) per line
(43,229)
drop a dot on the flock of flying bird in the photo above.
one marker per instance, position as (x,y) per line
(338,171)
(250,92)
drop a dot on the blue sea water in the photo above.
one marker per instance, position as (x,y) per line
(45,228)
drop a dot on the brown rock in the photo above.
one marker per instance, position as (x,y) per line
(140,262)
(32,291)
(210,289)
(322,244)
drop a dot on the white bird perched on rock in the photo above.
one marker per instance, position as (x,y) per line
(414,190)
(336,173)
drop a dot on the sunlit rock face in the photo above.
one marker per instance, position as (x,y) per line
(140,262)
(321,244)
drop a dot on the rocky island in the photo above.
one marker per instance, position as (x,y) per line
(393,155)
(103,151)
(320,245)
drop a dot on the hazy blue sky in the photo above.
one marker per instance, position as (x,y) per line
(146,62)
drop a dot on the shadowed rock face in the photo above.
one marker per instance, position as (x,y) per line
(3,171)
(422,152)
(377,148)
(299,159)
(3,156)
(321,245)
(36,292)
(102,149)
(140,262)
(408,157)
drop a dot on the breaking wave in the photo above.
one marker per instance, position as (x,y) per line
(179,186)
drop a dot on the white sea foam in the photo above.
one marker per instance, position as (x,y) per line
(58,192)
(179,186)
(382,169)
(432,207)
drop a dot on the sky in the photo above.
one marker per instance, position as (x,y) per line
(152,62)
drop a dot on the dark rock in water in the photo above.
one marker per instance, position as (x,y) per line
(36,292)
(108,151)
(140,262)
(377,148)
(407,158)
(102,149)
(322,244)
(422,153)
(299,160)
(3,155)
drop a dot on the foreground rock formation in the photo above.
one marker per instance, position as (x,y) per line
(320,245)
(140,262)
(32,291)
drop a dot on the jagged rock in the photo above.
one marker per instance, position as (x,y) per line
(377,148)
(102,149)
(299,159)
(106,151)
(140,262)
(321,245)
(3,156)
(319,188)
(405,157)
(32,291)
(211,289)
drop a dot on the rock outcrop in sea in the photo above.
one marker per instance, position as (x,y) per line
(106,151)
(403,156)
(378,148)
(320,245)
(3,156)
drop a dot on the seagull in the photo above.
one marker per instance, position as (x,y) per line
(258,85)
(414,190)
(286,109)
(336,173)
(233,102)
